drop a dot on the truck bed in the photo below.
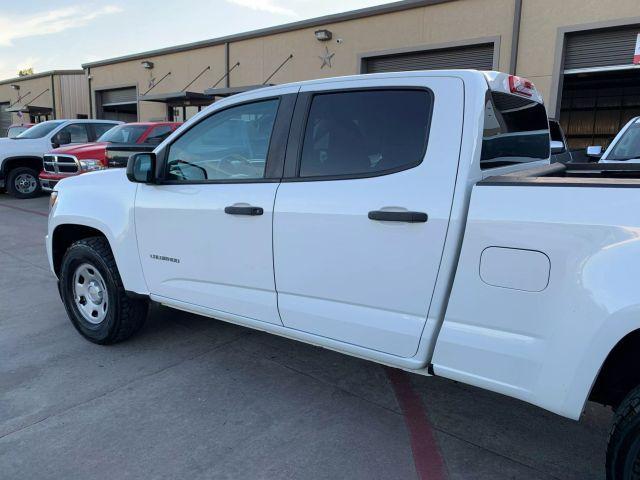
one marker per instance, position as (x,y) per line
(572,175)
(544,286)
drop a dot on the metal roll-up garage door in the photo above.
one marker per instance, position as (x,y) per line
(600,48)
(5,119)
(118,104)
(120,95)
(600,86)
(472,56)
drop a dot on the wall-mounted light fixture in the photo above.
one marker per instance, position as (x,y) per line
(15,87)
(323,35)
(147,64)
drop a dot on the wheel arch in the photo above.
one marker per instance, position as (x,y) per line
(616,378)
(30,161)
(65,235)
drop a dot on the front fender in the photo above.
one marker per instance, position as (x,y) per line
(104,201)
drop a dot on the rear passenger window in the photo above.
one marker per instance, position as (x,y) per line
(77,132)
(516,130)
(365,133)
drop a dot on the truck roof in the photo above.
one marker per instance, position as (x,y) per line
(496,81)
(152,124)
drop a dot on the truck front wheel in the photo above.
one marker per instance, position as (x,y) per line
(623,451)
(93,294)
(23,182)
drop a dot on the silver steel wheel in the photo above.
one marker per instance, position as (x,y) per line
(26,183)
(90,293)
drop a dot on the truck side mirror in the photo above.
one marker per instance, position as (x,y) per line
(594,151)
(557,147)
(141,167)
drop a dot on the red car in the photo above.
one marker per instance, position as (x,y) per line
(86,157)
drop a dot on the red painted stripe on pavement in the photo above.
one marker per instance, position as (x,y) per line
(426,453)
(24,210)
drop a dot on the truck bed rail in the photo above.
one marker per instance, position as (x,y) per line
(614,175)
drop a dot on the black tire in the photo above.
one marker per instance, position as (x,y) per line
(15,182)
(623,450)
(124,316)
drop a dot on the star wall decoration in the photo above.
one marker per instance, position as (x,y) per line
(326,58)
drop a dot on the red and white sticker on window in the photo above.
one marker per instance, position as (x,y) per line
(636,55)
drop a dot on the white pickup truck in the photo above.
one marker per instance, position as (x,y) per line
(411,219)
(21,157)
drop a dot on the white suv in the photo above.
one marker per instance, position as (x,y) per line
(21,157)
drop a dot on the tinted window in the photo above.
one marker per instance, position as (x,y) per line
(555,131)
(123,134)
(102,128)
(628,147)
(40,130)
(364,133)
(231,144)
(77,132)
(516,130)
(158,134)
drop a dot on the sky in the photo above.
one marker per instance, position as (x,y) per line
(48,35)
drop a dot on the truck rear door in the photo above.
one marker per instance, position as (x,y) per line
(361,216)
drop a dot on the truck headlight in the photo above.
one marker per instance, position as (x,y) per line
(90,165)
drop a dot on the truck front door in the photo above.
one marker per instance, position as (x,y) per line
(205,233)
(360,223)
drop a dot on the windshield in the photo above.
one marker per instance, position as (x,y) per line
(40,130)
(628,147)
(15,131)
(123,134)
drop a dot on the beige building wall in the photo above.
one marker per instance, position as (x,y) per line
(34,85)
(260,57)
(459,21)
(541,20)
(420,27)
(184,67)
(71,95)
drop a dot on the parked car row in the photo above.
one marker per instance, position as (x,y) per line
(40,155)
(74,159)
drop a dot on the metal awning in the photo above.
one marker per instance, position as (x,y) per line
(30,109)
(179,99)
(228,91)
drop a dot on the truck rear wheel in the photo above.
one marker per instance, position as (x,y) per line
(23,182)
(93,294)
(623,451)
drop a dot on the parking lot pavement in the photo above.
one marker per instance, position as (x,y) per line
(192,397)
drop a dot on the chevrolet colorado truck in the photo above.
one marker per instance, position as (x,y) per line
(86,157)
(21,157)
(412,219)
